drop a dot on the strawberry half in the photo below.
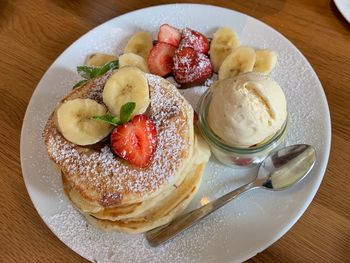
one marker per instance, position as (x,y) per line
(170,35)
(160,59)
(191,66)
(135,141)
(195,40)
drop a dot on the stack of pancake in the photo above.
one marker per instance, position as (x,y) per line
(113,194)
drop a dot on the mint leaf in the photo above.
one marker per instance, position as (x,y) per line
(126,111)
(80,83)
(108,117)
(125,115)
(88,72)
(114,64)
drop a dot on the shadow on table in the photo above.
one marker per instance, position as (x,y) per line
(338,15)
(6,9)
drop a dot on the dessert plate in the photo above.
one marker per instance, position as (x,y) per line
(344,8)
(236,232)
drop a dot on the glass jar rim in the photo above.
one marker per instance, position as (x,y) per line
(213,138)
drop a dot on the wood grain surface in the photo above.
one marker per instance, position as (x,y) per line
(34,32)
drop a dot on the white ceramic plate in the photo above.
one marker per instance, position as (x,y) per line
(344,8)
(234,233)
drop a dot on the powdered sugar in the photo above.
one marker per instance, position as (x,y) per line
(191,66)
(232,234)
(101,247)
(194,40)
(109,175)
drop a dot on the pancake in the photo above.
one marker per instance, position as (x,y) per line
(96,179)
(200,155)
(114,195)
(163,209)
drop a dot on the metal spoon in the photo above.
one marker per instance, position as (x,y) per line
(278,171)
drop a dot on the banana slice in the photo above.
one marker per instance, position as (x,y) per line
(224,42)
(130,59)
(140,44)
(99,59)
(265,61)
(128,84)
(241,60)
(74,120)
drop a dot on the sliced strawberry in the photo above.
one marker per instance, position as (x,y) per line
(160,59)
(191,66)
(170,35)
(135,141)
(195,40)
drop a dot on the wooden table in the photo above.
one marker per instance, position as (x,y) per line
(34,33)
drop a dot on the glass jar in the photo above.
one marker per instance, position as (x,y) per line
(236,156)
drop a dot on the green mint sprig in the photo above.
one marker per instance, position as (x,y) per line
(108,117)
(80,83)
(125,115)
(88,72)
(126,110)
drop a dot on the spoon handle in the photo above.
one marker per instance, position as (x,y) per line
(161,234)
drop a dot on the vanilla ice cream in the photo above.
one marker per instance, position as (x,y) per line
(246,110)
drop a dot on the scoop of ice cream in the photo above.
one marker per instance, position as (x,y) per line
(246,110)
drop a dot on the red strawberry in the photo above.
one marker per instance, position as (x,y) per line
(195,40)
(170,35)
(242,161)
(191,66)
(135,141)
(160,59)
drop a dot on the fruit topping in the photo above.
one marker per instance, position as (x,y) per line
(195,40)
(140,44)
(160,60)
(99,59)
(170,35)
(224,42)
(191,66)
(135,141)
(265,61)
(74,119)
(131,59)
(127,84)
(241,60)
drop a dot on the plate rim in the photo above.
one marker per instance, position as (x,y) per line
(339,5)
(323,165)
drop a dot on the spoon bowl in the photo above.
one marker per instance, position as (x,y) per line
(278,171)
(286,167)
